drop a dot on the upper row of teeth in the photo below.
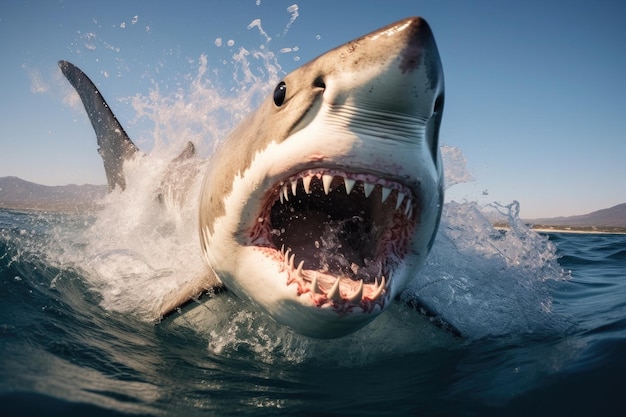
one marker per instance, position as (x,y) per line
(349,183)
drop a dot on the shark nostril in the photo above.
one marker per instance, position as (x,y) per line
(319,82)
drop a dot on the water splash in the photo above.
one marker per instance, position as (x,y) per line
(487,282)
(206,108)
(235,330)
(455,164)
(139,251)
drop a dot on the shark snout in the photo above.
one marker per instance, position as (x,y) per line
(396,69)
(419,43)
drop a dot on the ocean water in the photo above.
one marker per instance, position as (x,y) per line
(538,325)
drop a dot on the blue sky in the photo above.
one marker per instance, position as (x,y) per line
(535,90)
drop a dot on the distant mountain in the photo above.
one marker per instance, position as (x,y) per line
(610,217)
(15,193)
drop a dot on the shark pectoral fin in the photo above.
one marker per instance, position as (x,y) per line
(114,145)
(190,291)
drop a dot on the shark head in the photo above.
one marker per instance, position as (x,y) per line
(322,204)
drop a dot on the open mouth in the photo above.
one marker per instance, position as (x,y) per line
(338,235)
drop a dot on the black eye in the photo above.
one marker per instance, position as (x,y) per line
(279,93)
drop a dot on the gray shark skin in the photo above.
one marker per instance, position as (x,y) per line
(322,204)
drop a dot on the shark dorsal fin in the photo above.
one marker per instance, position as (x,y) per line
(114,145)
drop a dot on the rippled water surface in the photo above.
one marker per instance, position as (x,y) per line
(549,341)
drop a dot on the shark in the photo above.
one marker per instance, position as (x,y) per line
(322,204)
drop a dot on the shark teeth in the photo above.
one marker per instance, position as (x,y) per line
(333,293)
(306,182)
(364,183)
(349,184)
(342,292)
(383,213)
(399,199)
(326,180)
(358,294)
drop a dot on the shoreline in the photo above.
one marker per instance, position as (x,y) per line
(575,231)
(571,230)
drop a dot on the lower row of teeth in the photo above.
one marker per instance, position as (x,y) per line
(292,185)
(334,292)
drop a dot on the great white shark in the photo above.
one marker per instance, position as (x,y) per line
(323,203)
